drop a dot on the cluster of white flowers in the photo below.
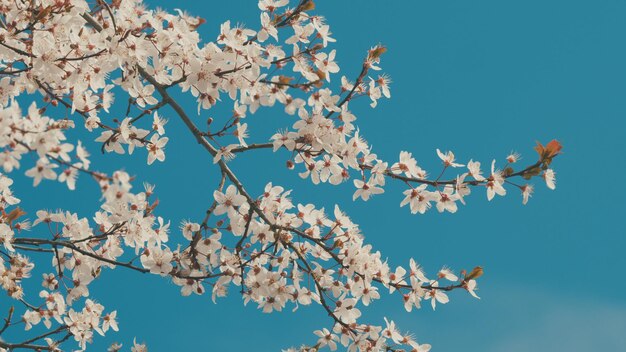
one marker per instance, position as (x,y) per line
(300,255)
(80,253)
(44,136)
(329,153)
(279,254)
(284,253)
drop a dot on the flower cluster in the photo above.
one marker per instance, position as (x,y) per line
(45,137)
(79,55)
(80,253)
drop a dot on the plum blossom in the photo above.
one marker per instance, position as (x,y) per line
(448,158)
(365,190)
(229,201)
(549,177)
(494,184)
(418,199)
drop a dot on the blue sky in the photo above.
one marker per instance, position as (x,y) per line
(481,78)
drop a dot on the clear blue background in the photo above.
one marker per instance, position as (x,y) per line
(481,78)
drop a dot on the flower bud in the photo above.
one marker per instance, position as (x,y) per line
(475,273)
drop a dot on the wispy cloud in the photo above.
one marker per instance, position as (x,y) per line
(585,324)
